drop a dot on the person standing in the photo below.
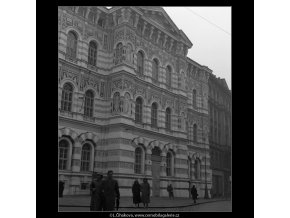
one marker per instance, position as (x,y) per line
(136,193)
(110,190)
(170,191)
(145,190)
(96,193)
(60,188)
(194,193)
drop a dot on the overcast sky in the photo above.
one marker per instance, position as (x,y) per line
(211,44)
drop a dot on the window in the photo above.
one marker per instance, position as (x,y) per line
(63,154)
(194,98)
(101,22)
(168,76)
(66,97)
(84,185)
(154,114)
(197,169)
(168,164)
(168,119)
(138,110)
(155,69)
(138,160)
(140,63)
(86,154)
(92,54)
(195,133)
(89,103)
(71,50)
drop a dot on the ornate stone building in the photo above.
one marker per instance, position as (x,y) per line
(220,114)
(131,101)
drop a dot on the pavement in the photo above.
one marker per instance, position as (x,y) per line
(82,203)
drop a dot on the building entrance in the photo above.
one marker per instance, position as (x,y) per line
(156,160)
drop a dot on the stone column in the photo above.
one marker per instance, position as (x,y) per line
(88,11)
(158,36)
(148,163)
(76,9)
(171,44)
(165,40)
(151,32)
(97,16)
(163,164)
(114,19)
(76,157)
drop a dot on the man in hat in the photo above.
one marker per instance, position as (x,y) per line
(111,192)
(96,192)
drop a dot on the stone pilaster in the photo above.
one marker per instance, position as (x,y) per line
(151,32)
(148,163)
(97,16)
(165,40)
(163,164)
(158,36)
(136,20)
(76,157)
(114,19)
(144,28)
(171,44)
(88,12)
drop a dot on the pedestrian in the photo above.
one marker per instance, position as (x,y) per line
(96,193)
(194,193)
(145,190)
(111,192)
(136,193)
(60,188)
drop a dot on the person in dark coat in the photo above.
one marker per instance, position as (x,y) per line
(110,189)
(145,190)
(136,193)
(96,193)
(60,188)
(170,191)
(194,193)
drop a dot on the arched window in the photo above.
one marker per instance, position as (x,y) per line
(66,97)
(92,54)
(197,169)
(140,63)
(138,110)
(89,103)
(168,118)
(138,161)
(155,69)
(154,115)
(86,157)
(63,154)
(168,76)
(71,49)
(194,98)
(168,164)
(195,133)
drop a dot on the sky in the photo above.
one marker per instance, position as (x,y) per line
(209,30)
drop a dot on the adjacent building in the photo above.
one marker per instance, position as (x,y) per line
(131,101)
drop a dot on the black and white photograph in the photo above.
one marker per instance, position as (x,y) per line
(144,120)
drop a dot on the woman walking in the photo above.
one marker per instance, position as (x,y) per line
(194,193)
(136,193)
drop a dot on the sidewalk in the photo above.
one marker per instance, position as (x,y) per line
(127,202)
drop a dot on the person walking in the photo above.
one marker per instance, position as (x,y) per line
(170,191)
(136,193)
(194,193)
(60,188)
(145,190)
(110,190)
(96,193)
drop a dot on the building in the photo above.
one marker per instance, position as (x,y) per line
(220,114)
(131,101)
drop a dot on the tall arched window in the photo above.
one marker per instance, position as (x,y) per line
(66,97)
(197,169)
(195,133)
(154,114)
(92,54)
(86,157)
(63,154)
(140,63)
(138,110)
(71,49)
(168,164)
(138,160)
(168,76)
(89,103)
(155,69)
(194,98)
(168,118)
